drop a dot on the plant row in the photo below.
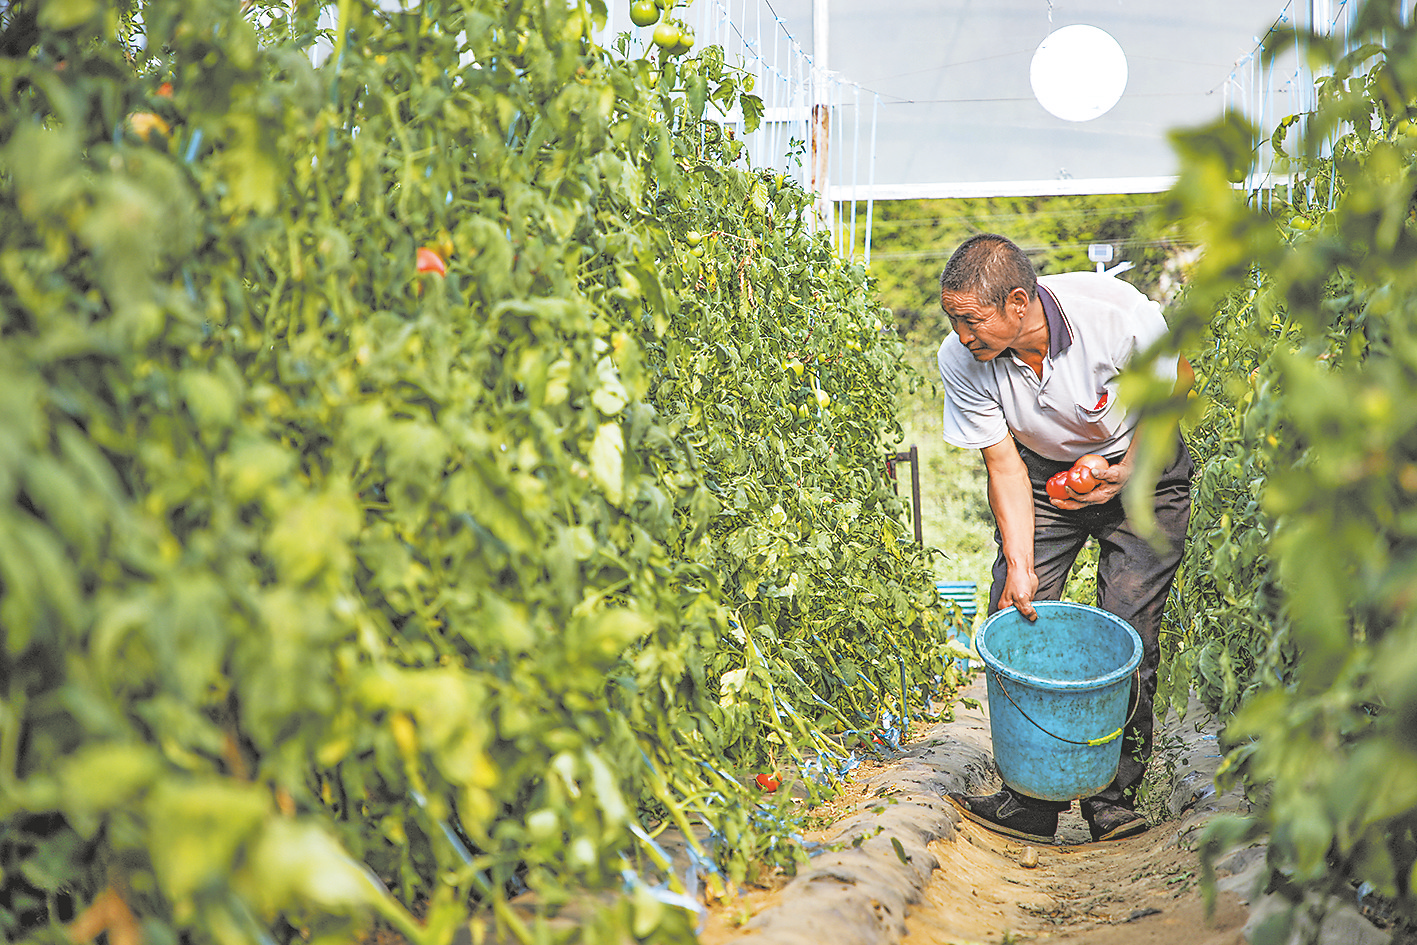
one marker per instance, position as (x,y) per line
(428,475)
(1296,596)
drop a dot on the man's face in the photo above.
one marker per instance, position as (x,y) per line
(983,329)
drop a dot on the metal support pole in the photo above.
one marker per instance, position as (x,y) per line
(915,496)
(911,456)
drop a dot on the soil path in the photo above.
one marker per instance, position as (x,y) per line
(903,867)
(1140,890)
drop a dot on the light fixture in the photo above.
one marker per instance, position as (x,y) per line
(1078,72)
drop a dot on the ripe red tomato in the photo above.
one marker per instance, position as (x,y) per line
(768,783)
(1094,462)
(1081,479)
(1058,485)
(429,261)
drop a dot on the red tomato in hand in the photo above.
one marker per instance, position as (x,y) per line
(1081,479)
(1094,462)
(1058,485)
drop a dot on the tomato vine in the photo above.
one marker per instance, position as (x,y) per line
(1295,598)
(403,512)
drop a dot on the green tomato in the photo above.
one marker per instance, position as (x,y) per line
(644,12)
(693,237)
(685,43)
(666,35)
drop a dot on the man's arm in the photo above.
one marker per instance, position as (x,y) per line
(1011,498)
(1110,483)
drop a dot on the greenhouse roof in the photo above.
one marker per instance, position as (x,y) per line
(940,92)
(957,105)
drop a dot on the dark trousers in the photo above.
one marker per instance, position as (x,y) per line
(1133,582)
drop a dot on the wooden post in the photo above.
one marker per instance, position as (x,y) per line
(821,119)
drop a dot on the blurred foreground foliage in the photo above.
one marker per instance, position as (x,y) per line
(1298,596)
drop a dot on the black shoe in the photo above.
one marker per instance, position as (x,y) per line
(1108,822)
(1002,813)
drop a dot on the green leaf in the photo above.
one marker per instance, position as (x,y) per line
(252,467)
(696,88)
(103,776)
(308,538)
(295,863)
(752,107)
(195,829)
(607,461)
(250,166)
(213,404)
(63,15)
(607,790)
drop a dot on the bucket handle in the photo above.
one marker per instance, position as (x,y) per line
(1091,742)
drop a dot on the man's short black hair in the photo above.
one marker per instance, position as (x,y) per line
(989,267)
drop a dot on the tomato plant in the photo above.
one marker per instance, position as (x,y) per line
(1295,611)
(336,593)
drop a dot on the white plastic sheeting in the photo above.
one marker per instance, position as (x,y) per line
(948,83)
(934,98)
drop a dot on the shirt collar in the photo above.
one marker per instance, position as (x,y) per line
(1060,333)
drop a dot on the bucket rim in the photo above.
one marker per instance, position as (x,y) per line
(1073,685)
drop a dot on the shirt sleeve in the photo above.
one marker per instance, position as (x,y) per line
(972,418)
(1150,327)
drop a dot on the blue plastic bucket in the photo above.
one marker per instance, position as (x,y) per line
(1059,696)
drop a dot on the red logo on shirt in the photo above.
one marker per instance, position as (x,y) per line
(1101,401)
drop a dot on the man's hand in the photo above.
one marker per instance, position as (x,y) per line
(1109,485)
(1011,498)
(1111,480)
(1019,588)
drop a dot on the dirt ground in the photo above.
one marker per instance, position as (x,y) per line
(1144,890)
(1139,891)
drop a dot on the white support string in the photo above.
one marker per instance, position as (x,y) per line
(1269,204)
(758,41)
(833,172)
(855,165)
(1249,89)
(871,171)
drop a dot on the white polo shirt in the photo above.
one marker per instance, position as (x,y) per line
(1096,324)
